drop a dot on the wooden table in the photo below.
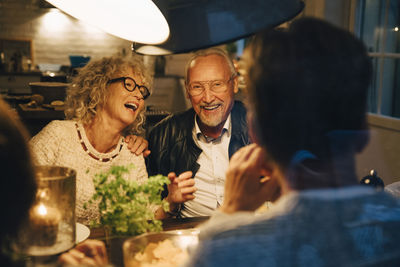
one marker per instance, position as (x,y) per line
(35,118)
(168,224)
(114,244)
(40,112)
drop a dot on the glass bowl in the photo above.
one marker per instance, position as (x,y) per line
(167,249)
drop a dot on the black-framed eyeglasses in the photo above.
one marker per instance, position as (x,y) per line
(130,85)
(216,86)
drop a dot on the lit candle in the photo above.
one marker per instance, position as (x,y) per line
(44,223)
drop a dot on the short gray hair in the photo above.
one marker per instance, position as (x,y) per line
(207,52)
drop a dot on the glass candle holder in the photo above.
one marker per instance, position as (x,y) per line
(51,224)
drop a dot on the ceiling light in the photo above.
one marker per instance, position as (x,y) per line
(133,20)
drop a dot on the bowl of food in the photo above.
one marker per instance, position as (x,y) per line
(167,249)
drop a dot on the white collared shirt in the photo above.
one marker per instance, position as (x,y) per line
(210,178)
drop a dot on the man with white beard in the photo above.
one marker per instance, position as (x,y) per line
(203,138)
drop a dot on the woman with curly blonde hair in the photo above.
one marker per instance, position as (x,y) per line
(89,90)
(104,104)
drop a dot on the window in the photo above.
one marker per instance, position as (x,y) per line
(378,25)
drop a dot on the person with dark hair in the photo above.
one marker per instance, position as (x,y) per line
(17,183)
(18,186)
(307,115)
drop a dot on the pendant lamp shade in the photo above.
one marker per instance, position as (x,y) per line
(197,24)
(133,20)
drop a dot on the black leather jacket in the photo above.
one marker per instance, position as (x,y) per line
(173,148)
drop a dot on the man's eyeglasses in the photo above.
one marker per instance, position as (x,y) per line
(216,86)
(131,85)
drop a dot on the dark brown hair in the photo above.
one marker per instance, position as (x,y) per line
(17,183)
(307,83)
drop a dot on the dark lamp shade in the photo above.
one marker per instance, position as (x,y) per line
(197,24)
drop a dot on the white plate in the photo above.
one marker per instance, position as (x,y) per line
(82,232)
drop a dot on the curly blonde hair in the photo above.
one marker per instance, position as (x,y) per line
(89,89)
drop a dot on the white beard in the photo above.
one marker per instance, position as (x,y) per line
(211,121)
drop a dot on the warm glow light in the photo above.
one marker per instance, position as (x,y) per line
(186,241)
(55,21)
(151,50)
(42,193)
(396,29)
(42,210)
(90,29)
(134,20)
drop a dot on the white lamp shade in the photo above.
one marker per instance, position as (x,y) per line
(133,20)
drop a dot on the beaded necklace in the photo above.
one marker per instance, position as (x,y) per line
(85,148)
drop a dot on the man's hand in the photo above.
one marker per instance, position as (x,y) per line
(88,253)
(138,145)
(250,181)
(180,189)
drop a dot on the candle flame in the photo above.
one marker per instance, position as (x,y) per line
(42,193)
(42,209)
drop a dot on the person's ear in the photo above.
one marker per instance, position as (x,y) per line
(187,90)
(254,132)
(236,84)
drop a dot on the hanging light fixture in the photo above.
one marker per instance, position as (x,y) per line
(134,20)
(197,24)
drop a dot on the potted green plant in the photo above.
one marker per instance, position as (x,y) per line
(127,207)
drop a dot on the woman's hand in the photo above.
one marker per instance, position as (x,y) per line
(180,189)
(138,145)
(250,180)
(89,253)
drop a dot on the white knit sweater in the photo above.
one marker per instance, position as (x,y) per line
(59,143)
